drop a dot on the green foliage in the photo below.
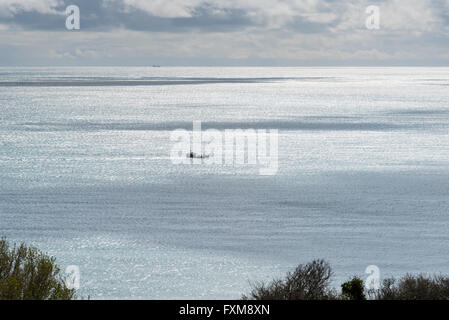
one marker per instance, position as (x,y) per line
(353,289)
(307,282)
(411,287)
(28,274)
(312,282)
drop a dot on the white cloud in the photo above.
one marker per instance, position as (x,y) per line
(396,15)
(414,15)
(162,8)
(342,35)
(274,12)
(9,8)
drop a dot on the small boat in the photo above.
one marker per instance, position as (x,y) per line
(193,155)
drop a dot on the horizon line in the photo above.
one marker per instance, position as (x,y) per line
(225,66)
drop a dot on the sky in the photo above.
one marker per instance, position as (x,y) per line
(225,33)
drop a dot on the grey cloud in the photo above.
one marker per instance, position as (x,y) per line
(96,16)
(214,32)
(101,16)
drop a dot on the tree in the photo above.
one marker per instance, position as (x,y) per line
(353,289)
(308,282)
(414,287)
(28,274)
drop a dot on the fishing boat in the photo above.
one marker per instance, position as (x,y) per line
(193,155)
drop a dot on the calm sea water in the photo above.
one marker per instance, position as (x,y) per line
(85,174)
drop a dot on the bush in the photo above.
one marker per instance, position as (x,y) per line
(353,290)
(411,287)
(312,282)
(28,274)
(307,282)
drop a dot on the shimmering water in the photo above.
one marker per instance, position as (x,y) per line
(85,174)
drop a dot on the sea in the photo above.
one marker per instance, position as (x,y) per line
(87,176)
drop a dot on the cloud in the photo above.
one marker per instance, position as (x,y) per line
(9,8)
(227,15)
(159,8)
(226,31)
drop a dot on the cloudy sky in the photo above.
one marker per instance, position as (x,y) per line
(224,32)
